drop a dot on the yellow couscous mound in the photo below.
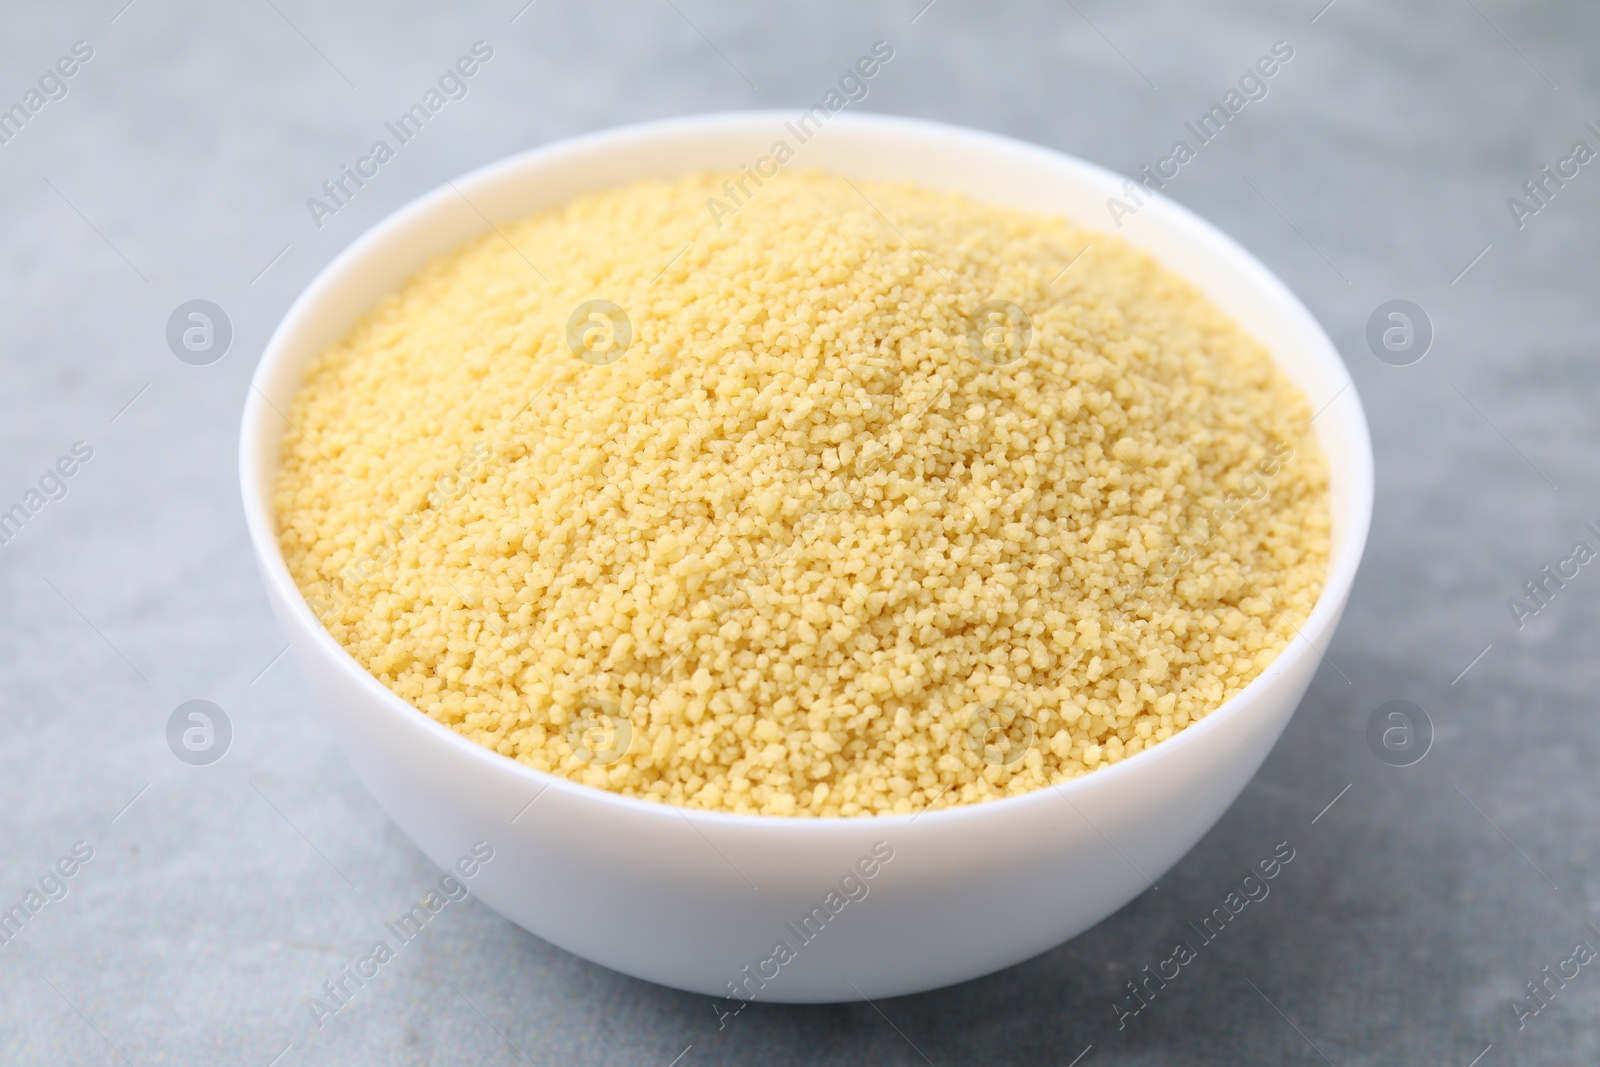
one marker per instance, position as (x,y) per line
(857,499)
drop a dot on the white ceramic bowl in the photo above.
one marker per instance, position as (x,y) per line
(700,900)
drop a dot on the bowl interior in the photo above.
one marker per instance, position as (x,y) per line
(986,167)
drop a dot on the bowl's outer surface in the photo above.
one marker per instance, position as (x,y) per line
(700,900)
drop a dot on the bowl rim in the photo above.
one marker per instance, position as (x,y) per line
(261,523)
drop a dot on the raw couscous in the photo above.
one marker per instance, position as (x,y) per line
(862,499)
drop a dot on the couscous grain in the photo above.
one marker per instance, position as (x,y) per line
(871,499)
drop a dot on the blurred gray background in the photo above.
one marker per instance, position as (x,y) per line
(220,897)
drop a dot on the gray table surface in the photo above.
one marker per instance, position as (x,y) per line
(1379,166)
